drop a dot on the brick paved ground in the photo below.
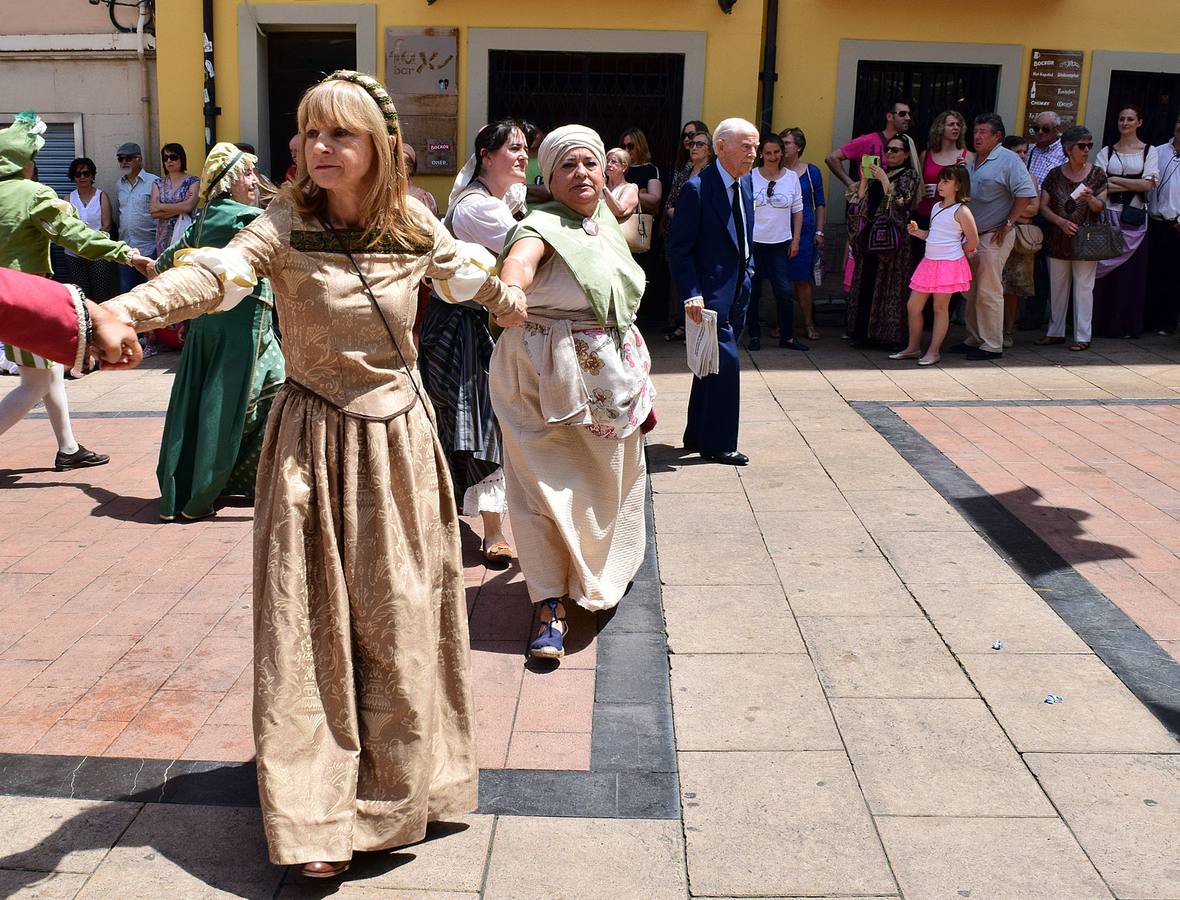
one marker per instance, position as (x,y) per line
(843,727)
(1099,484)
(124,636)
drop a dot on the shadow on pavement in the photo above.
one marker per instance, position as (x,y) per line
(221,846)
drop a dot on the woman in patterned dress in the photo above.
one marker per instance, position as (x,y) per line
(363,719)
(572,393)
(881,281)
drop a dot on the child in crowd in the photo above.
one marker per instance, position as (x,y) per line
(944,269)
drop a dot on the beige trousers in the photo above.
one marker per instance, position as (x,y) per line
(985,297)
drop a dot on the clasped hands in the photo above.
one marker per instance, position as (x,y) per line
(517,312)
(113,341)
(144,265)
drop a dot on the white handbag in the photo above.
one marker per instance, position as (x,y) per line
(637,230)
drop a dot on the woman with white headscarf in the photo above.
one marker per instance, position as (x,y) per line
(456,345)
(571,389)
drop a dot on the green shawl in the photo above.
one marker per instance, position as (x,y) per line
(601,263)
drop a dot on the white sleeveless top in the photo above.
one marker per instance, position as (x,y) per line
(90,213)
(945,240)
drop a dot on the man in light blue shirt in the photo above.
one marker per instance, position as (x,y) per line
(136,225)
(1001,190)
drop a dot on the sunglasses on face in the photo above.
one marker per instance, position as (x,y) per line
(698,145)
(895,149)
(902,113)
(627,146)
(1084,145)
(171,157)
(83,173)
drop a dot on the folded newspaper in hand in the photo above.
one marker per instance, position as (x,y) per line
(702,343)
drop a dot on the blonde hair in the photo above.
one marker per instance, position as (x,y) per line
(621,155)
(383,209)
(642,154)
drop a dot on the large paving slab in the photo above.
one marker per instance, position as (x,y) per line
(1124,811)
(1098,713)
(750,702)
(882,656)
(992,859)
(936,758)
(778,824)
(586,859)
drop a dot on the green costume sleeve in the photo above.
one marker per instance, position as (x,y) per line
(66,229)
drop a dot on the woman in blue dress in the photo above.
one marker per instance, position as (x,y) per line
(811,243)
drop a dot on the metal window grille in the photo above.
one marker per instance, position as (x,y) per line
(610,92)
(1157,93)
(932,88)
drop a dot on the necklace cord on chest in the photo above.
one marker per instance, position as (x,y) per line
(368,290)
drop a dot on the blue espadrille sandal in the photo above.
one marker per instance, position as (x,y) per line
(550,643)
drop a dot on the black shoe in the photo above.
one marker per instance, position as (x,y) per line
(755,344)
(79,459)
(980,353)
(792,344)
(732,458)
(961,348)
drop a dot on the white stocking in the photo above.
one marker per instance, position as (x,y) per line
(35,385)
(58,408)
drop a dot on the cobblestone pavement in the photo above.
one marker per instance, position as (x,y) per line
(843,726)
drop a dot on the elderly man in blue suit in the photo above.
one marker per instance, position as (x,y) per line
(709,248)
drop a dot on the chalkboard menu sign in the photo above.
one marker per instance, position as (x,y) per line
(422,77)
(1054,85)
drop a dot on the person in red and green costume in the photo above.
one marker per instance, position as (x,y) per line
(31,217)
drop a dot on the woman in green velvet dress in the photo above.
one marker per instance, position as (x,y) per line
(231,367)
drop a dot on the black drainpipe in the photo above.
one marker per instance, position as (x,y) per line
(768,76)
(211,108)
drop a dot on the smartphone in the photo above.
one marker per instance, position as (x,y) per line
(866,164)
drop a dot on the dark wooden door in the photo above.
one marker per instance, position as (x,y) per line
(295,60)
(610,92)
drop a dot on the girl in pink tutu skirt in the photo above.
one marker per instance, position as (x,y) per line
(944,269)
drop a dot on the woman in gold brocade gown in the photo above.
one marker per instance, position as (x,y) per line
(363,717)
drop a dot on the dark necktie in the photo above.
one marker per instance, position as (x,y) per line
(738,224)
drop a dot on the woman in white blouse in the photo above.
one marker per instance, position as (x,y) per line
(778,226)
(620,195)
(456,346)
(98,279)
(1120,291)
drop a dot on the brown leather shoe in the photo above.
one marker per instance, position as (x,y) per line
(325,869)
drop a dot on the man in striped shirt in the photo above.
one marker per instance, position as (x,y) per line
(1046,153)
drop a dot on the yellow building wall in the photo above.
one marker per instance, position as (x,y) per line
(732,62)
(810,32)
(809,38)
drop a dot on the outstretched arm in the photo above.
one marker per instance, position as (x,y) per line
(65,228)
(207,279)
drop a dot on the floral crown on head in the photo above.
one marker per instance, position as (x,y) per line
(374,89)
